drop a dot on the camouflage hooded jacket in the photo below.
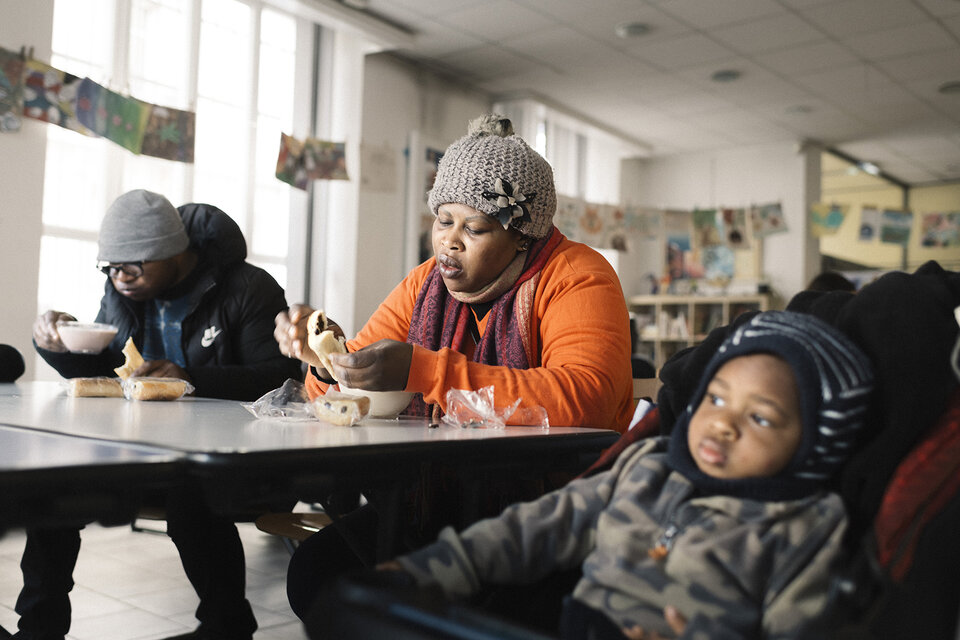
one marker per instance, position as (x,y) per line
(735,568)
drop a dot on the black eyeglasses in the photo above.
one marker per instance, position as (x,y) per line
(132,269)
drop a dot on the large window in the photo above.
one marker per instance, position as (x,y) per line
(230,61)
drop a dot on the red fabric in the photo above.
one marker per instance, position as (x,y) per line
(439,320)
(923,483)
(648,427)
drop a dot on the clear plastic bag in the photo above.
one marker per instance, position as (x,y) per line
(290,402)
(477,410)
(136,388)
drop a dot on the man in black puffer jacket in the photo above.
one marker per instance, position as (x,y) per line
(179,285)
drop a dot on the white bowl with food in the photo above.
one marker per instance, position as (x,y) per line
(86,337)
(383,404)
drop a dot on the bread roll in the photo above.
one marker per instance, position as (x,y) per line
(155,388)
(133,360)
(322,341)
(94,388)
(340,408)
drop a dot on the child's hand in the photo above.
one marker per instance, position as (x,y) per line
(673,617)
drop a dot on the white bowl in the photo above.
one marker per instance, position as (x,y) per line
(383,404)
(86,337)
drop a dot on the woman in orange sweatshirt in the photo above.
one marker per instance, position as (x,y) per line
(506,301)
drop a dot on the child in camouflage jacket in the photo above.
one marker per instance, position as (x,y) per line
(724,529)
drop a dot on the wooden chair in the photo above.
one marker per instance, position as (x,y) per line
(293,527)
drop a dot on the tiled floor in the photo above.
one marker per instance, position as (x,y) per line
(131,586)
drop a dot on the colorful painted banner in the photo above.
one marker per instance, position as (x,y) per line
(11,90)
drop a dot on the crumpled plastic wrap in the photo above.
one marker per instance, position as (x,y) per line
(290,402)
(476,410)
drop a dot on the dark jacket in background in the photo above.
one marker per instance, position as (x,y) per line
(227,340)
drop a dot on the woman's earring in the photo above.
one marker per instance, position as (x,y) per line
(524,244)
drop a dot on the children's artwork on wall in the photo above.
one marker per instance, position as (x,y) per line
(592,227)
(869,224)
(735,228)
(50,95)
(641,222)
(567,217)
(895,226)
(169,134)
(941,230)
(11,90)
(678,228)
(290,168)
(126,120)
(706,228)
(91,106)
(826,219)
(299,162)
(325,160)
(718,264)
(767,219)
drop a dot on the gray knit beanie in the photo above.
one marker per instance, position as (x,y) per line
(494,171)
(141,225)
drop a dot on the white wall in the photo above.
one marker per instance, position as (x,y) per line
(23,23)
(399,99)
(733,178)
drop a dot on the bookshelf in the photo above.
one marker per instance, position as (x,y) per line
(668,323)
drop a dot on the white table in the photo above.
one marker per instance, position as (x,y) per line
(51,478)
(242,460)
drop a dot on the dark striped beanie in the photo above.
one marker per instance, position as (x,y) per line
(834,380)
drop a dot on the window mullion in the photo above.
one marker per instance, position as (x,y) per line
(193,81)
(253,116)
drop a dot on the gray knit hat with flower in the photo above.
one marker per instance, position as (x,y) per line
(494,171)
(141,225)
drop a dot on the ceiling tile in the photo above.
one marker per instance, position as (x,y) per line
(914,38)
(489,62)
(941,7)
(952,25)
(685,51)
(848,17)
(496,21)
(767,34)
(938,66)
(804,59)
(692,103)
(705,15)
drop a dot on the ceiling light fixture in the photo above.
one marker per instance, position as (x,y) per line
(869,167)
(632,29)
(725,75)
(950,88)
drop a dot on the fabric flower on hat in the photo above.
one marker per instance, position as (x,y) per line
(511,205)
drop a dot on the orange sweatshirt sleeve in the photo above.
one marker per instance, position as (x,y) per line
(582,329)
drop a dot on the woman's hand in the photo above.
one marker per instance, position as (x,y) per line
(673,617)
(381,366)
(290,332)
(45,332)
